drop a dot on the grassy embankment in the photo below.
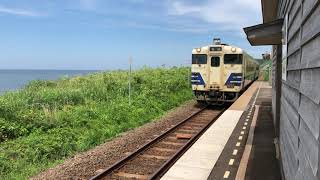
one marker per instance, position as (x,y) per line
(48,121)
(265,68)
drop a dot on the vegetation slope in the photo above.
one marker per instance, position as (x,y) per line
(48,121)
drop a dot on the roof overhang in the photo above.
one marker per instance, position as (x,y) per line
(269,10)
(265,34)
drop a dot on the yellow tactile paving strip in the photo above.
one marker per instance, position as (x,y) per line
(244,99)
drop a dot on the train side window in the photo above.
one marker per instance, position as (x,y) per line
(233,59)
(215,61)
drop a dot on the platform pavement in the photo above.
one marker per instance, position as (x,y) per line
(262,161)
(211,156)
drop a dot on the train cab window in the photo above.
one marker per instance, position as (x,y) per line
(215,61)
(233,59)
(199,59)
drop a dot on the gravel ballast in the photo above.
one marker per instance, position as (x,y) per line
(87,164)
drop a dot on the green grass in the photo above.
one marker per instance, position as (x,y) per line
(48,121)
(265,70)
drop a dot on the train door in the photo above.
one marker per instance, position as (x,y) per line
(215,71)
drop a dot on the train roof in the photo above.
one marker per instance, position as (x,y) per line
(225,49)
(222,48)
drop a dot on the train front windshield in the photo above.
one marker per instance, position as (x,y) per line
(199,59)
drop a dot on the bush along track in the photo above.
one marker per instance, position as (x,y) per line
(48,121)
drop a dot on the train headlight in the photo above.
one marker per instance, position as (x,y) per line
(233,49)
(198,49)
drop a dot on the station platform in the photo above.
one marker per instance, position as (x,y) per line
(239,145)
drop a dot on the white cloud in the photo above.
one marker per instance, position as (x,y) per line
(207,16)
(232,14)
(18,12)
(179,8)
(224,19)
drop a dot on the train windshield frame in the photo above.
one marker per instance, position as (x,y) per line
(233,58)
(199,59)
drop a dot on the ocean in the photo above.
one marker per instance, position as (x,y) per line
(11,80)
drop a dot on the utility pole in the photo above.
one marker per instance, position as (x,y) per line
(188,64)
(130,69)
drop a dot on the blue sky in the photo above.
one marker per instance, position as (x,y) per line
(102,34)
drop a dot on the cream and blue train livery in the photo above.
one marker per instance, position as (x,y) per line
(220,72)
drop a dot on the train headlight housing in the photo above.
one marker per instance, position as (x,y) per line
(198,50)
(233,49)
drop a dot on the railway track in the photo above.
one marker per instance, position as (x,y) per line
(154,158)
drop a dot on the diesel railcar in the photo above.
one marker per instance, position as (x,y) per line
(220,72)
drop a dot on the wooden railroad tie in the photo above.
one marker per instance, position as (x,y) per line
(163,149)
(184,136)
(154,156)
(134,176)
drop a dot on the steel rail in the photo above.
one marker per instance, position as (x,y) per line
(168,164)
(146,146)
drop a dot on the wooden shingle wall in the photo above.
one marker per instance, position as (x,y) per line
(300,94)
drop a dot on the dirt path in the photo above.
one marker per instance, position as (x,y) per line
(87,164)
